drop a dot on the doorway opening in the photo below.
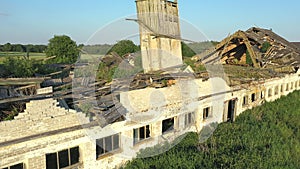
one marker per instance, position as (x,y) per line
(231,110)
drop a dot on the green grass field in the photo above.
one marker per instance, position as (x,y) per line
(36,56)
(40,56)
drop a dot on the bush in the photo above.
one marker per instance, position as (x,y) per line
(248,59)
(19,67)
(265,47)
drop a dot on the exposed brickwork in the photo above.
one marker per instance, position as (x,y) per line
(40,117)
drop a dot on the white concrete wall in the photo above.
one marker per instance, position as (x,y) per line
(176,101)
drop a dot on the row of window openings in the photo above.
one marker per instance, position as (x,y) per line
(112,143)
(168,125)
(288,87)
(276,92)
(255,98)
(69,157)
(105,145)
(57,160)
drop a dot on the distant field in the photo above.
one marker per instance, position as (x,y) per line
(36,56)
(39,56)
(90,56)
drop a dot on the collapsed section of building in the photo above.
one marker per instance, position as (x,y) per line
(257,47)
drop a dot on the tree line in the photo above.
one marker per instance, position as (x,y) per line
(62,49)
(22,48)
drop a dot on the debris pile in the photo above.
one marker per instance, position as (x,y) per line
(256,47)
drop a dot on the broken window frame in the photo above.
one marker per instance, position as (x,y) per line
(108,145)
(207,113)
(189,119)
(245,101)
(170,122)
(258,96)
(58,158)
(253,97)
(144,131)
(270,94)
(20,165)
(262,95)
(276,90)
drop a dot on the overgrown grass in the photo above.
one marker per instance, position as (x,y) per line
(264,137)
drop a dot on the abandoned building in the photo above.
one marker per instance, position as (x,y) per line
(154,107)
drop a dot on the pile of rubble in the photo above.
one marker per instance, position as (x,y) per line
(257,47)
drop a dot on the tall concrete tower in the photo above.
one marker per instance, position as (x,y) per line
(159,34)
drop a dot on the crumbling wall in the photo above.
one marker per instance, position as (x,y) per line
(42,128)
(40,117)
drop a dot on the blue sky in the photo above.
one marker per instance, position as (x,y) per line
(36,21)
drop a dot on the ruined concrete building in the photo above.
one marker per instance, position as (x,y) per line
(155,107)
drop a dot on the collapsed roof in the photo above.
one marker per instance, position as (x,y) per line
(257,47)
(247,57)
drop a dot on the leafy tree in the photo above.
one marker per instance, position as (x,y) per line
(18,48)
(7,47)
(123,47)
(64,48)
